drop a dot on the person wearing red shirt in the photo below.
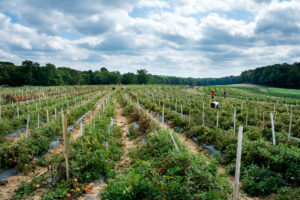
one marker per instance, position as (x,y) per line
(212,94)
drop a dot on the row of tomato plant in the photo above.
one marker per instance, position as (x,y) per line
(20,154)
(10,96)
(265,169)
(91,157)
(11,122)
(247,112)
(158,171)
(40,116)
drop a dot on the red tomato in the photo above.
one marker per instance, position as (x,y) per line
(89,187)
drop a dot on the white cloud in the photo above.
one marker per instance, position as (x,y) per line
(153,3)
(182,37)
(188,7)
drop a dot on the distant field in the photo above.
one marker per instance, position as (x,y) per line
(254,92)
(284,92)
(278,92)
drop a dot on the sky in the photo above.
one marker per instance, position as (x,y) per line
(187,38)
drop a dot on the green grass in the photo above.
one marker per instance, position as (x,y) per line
(292,93)
(253,92)
(276,92)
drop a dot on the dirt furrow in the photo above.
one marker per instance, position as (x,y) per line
(128,144)
(124,162)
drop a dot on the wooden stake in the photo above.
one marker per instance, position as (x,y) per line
(81,133)
(203,113)
(47,116)
(176,147)
(242,107)
(217,119)
(238,164)
(234,116)
(273,130)
(181,109)
(38,121)
(190,116)
(65,144)
(163,116)
(290,126)
(27,127)
(18,112)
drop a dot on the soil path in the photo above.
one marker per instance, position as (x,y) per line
(7,191)
(124,162)
(128,144)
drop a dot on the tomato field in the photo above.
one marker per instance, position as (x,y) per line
(149,142)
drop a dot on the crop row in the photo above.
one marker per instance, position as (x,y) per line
(265,167)
(10,96)
(14,118)
(251,93)
(159,171)
(20,154)
(91,157)
(248,113)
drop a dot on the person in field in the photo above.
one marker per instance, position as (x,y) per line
(224,93)
(212,94)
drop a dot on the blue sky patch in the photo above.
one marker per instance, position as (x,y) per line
(13,17)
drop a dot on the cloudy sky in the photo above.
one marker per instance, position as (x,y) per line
(189,38)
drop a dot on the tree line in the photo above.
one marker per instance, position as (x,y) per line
(31,73)
(278,75)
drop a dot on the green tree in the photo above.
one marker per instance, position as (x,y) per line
(103,69)
(129,78)
(142,76)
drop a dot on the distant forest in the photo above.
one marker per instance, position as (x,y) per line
(30,73)
(278,75)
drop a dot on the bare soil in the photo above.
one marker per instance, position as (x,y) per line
(123,122)
(124,162)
